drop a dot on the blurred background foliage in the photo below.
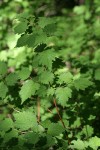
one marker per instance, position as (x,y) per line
(8,11)
(10,8)
(66,21)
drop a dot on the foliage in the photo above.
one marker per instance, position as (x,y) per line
(51,89)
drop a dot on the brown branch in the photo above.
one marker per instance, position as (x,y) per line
(59,113)
(38,110)
(60,118)
(50,111)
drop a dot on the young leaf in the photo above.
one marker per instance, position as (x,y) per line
(87,130)
(65,77)
(25,120)
(63,94)
(46,77)
(55,129)
(79,145)
(28,89)
(82,83)
(46,58)
(24,73)
(94,142)
(50,91)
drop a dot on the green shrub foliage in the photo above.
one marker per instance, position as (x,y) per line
(50,90)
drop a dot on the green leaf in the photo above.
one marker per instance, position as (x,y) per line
(82,83)
(3,68)
(47,57)
(79,145)
(76,123)
(28,89)
(45,21)
(97,28)
(63,94)
(41,47)
(3,90)
(25,120)
(42,91)
(24,15)
(31,40)
(65,77)
(22,40)
(32,137)
(50,29)
(41,38)
(50,141)
(94,142)
(6,124)
(97,74)
(46,77)
(12,134)
(11,79)
(46,123)
(24,73)
(35,39)
(50,91)
(21,27)
(55,129)
(87,130)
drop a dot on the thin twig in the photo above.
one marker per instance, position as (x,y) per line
(59,113)
(61,119)
(38,110)
(50,111)
(16,110)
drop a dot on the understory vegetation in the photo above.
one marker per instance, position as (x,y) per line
(49,76)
